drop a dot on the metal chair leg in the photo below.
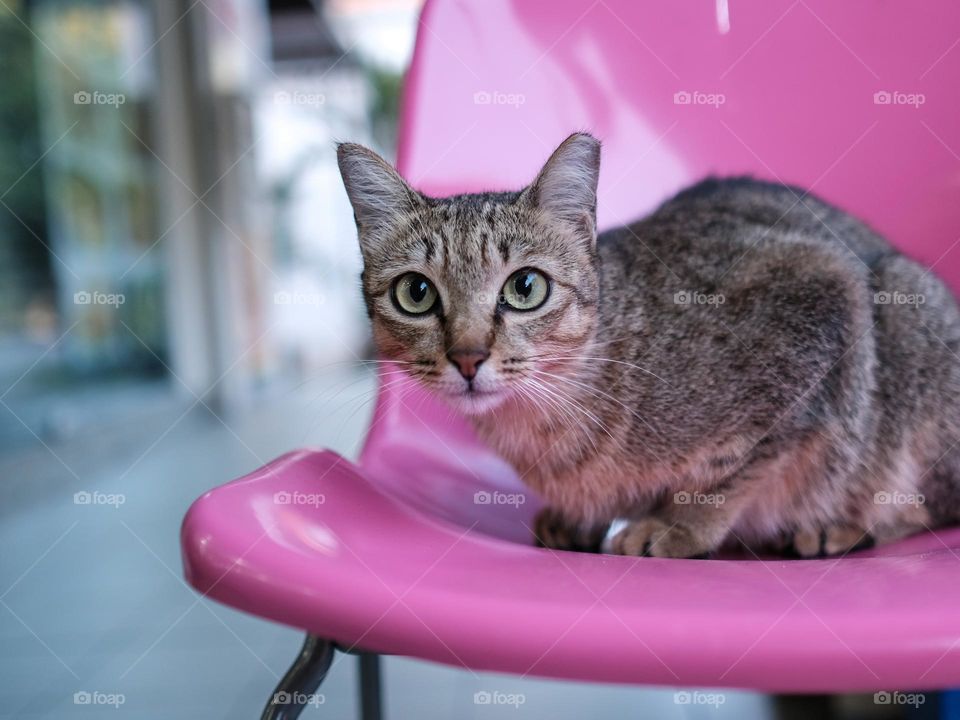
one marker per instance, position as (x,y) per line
(298,687)
(370,689)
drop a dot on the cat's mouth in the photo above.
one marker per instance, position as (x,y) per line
(473,399)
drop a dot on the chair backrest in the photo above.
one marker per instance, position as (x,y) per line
(855,100)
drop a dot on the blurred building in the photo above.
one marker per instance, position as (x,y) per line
(316,94)
(172,223)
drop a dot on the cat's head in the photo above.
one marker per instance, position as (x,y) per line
(478,295)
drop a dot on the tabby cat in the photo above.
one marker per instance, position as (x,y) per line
(748,364)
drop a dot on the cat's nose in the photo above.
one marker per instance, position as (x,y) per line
(467,361)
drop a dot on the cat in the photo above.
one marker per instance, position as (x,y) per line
(747,365)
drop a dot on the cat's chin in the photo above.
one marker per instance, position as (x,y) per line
(476,403)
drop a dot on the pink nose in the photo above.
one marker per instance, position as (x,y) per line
(467,361)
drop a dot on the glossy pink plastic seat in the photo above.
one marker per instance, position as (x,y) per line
(400,554)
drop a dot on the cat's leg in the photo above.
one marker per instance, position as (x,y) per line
(689,524)
(788,480)
(552,529)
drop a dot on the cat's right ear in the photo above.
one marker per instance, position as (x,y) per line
(566,188)
(377,192)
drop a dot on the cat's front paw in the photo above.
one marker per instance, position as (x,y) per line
(652,537)
(834,540)
(552,530)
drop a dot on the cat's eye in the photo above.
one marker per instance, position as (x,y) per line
(526,289)
(414,294)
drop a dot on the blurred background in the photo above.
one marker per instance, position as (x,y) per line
(171,217)
(179,304)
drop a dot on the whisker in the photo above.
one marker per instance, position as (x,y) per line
(371,397)
(334,392)
(573,399)
(593,391)
(603,359)
(547,402)
(529,395)
(554,410)
(380,387)
(564,397)
(597,392)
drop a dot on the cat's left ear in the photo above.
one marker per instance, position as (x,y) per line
(566,188)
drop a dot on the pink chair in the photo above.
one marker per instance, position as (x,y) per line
(423,547)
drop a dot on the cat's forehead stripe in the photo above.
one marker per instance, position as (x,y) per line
(504,249)
(445,244)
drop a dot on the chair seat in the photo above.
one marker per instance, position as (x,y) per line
(399,555)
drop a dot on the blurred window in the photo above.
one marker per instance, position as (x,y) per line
(80,291)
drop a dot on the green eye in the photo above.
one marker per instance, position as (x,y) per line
(414,294)
(526,289)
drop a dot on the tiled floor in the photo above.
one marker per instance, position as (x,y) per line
(91,599)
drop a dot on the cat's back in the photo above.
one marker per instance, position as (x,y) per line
(723,217)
